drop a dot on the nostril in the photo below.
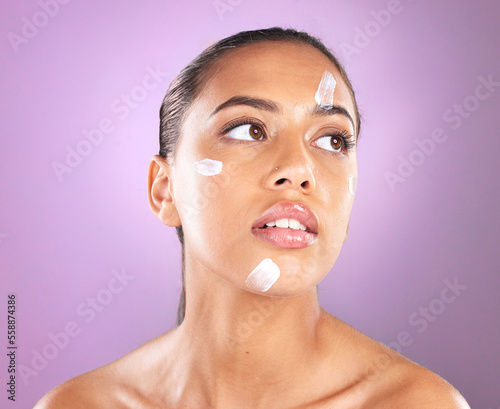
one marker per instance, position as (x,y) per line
(281,181)
(305,184)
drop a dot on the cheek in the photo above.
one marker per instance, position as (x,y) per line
(207,197)
(208,167)
(216,220)
(334,189)
(337,187)
(353,184)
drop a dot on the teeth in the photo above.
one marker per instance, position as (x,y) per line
(293,224)
(282,223)
(287,224)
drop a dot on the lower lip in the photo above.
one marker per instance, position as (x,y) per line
(285,238)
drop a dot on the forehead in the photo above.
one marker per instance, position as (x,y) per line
(285,72)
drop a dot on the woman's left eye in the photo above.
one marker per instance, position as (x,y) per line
(330,143)
(248,132)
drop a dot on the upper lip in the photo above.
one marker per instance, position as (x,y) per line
(289,210)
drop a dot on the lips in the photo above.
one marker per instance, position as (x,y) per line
(289,210)
(286,237)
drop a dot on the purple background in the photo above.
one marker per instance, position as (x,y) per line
(61,239)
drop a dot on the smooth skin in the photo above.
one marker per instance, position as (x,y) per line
(238,348)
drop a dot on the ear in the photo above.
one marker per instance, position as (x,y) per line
(160,188)
(346,232)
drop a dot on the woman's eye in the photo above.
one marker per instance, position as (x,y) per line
(247,132)
(330,143)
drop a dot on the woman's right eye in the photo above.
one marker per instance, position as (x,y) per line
(247,132)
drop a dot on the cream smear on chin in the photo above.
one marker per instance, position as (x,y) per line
(208,167)
(353,185)
(263,276)
(324,94)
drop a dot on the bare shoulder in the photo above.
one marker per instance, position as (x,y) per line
(115,385)
(416,387)
(88,390)
(385,379)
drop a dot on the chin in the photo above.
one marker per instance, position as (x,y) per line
(296,277)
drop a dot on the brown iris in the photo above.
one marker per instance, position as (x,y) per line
(255,132)
(336,143)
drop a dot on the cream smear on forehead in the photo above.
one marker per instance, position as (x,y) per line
(324,94)
(353,184)
(208,167)
(263,276)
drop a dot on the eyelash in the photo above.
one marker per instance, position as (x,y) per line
(346,138)
(238,122)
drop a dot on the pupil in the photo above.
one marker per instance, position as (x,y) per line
(255,132)
(336,143)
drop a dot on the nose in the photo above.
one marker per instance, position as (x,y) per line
(294,172)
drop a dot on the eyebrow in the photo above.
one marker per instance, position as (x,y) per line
(270,106)
(258,103)
(335,109)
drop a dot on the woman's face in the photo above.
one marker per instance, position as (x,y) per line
(286,129)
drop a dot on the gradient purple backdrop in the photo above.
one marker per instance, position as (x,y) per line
(61,237)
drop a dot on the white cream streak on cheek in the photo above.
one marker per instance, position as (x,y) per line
(208,167)
(324,94)
(353,184)
(263,276)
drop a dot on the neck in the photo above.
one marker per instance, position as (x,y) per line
(238,342)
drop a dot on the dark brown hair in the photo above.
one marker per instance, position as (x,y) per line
(188,84)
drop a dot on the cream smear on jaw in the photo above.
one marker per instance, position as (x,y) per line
(208,167)
(353,184)
(324,94)
(263,276)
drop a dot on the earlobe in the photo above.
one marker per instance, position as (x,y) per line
(160,188)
